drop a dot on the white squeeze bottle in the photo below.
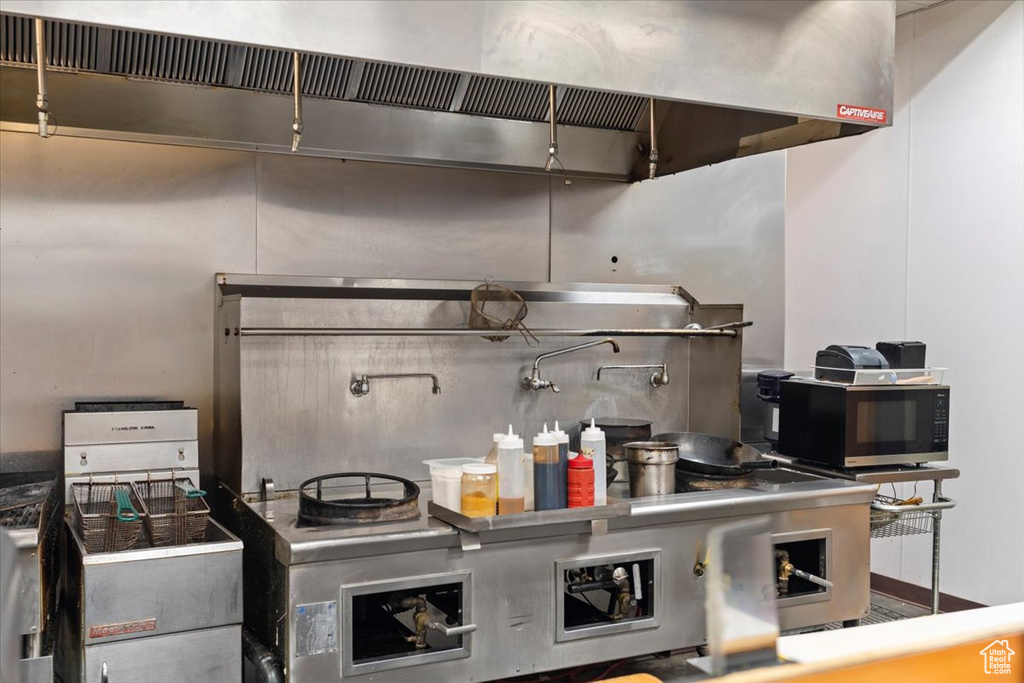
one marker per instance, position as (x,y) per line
(528,480)
(592,445)
(492,455)
(511,487)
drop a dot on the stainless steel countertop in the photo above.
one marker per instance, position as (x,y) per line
(298,545)
(761,499)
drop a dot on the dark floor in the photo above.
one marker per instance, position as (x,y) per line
(672,669)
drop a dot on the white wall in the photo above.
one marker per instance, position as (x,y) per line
(917,232)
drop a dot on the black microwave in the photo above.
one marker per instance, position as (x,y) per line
(843,425)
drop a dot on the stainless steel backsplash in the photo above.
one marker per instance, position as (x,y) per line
(109,251)
(285,411)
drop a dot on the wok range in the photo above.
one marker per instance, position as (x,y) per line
(708,463)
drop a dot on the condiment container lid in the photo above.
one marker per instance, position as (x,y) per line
(479,468)
(545,439)
(592,432)
(510,441)
(560,434)
(581,462)
(448,466)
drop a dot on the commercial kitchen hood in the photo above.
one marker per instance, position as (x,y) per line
(462,84)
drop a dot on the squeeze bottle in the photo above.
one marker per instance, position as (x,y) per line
(592,445)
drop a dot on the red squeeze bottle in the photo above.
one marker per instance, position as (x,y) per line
(581,482)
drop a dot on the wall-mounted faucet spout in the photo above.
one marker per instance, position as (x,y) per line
(361,386)
(658,379)
(535,382)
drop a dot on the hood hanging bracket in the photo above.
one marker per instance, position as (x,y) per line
(42,101)
(653,168)
(553,137)
(297,89)
(553,130)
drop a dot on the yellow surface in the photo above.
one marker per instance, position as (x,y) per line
(478,504)
(946,662)
(634,678)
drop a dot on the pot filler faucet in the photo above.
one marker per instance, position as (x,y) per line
(536,383)
(658,379)
(361,386)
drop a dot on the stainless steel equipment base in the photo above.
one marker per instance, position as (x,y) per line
(304,584)
(151,615)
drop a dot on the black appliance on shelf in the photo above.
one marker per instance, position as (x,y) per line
(863,425)
(769,390)
(836,363)
(903,354)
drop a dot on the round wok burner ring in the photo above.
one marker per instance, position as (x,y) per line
(314,510)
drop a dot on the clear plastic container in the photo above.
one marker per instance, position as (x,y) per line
(883,376)
(446,481)
(547,494)
(479,490)
(511,487)
(563,460)
(492,455)
(593,446)
(528,481)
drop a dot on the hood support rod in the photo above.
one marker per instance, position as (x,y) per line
(553,135)
(42,101)
(297,89)
(653,169)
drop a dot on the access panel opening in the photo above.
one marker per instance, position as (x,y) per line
(797,560)
(402,623)
(407,622)
(607,595)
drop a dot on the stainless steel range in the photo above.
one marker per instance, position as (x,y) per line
(30,514)
(422,597)
(506,603)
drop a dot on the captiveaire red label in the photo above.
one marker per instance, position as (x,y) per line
(865,114)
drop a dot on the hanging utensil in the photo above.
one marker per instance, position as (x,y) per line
(126,512)
(189,490)
(496,307)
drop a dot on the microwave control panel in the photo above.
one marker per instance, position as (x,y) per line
(940,421)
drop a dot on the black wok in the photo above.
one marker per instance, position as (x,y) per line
(715,455)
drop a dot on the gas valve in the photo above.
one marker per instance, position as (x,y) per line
(420,617)
(422,622)
(626,599)
(786,569)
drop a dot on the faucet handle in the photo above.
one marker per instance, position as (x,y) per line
(536,384)
(360,387)
(660,379)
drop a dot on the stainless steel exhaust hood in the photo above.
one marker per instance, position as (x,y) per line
(461,84)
